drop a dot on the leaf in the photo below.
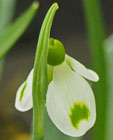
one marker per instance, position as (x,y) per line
(5,19)
(96,34)
(16,29)
(6,16)
(109,63)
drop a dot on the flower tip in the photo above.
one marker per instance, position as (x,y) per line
(95,76)
(35,4)
(18,108)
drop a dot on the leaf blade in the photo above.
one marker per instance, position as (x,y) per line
(108,47)
(96,32)
(16,29)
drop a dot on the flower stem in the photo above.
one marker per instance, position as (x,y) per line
(38,133)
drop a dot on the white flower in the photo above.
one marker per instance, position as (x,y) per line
(70,101)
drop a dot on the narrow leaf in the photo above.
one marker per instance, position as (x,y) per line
(6,16)
(16,29)
(109,61)
(96,34)
(5,20)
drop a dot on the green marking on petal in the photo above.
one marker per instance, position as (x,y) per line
(79,112)
(22,91)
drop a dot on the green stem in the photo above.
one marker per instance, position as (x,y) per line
(96,38)
(40,80)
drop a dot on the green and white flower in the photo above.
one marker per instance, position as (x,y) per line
(70,100)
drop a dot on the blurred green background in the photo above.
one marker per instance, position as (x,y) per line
(69,27)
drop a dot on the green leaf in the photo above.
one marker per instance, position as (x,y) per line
(5,20)
(16,29)
(109,61)
(96,34)
(5,15)
(40,81)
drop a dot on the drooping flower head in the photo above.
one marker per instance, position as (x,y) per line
(70,100)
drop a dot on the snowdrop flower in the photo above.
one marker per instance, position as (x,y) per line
(70,100)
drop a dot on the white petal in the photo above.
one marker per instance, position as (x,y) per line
(24,98)
(81,69)
(66,90)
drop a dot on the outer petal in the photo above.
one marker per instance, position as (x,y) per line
(81,69)
(24,95)
(67,96)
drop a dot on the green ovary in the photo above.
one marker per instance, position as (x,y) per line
(56,52)
(79,112)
